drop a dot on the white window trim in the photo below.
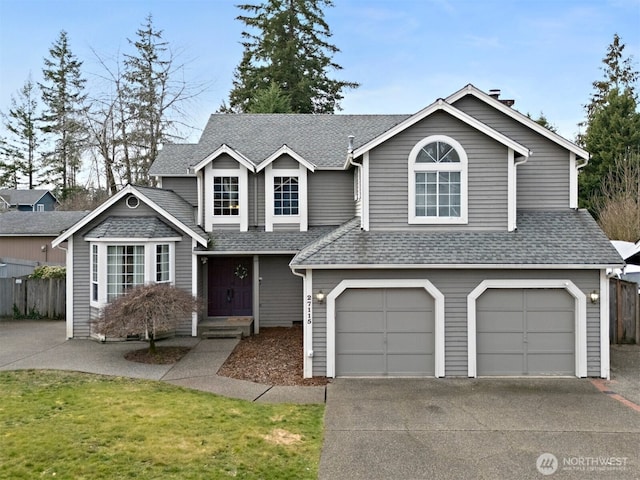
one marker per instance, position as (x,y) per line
(461,167)
(149,263)
(580,318)
(438,298)
(242,219)
(270,218)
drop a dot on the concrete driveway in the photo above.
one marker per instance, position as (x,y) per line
(473,429)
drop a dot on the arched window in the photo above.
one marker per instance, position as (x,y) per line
(438,181)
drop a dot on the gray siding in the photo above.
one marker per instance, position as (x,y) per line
(280,293)
(285,161)
(186,187)
(456,285)
(225,161)
(543,182)
(256,199)
(330,197)
(487,176)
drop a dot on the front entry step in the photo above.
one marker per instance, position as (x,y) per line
(225,327)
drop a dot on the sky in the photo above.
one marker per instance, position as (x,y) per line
(406,54)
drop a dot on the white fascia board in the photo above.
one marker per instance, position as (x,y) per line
(449,266)
(285,150)
(222,253)
(129,189)
(224,148)
(91,216)
(532,124)
(442,105)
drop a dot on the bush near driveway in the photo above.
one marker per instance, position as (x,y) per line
(70,425)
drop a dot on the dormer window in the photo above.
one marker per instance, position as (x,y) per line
(285,196)
(226,199)
(438,182)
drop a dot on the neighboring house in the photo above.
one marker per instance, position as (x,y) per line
(444,243)
(25,239)
(27,200)
(630,252)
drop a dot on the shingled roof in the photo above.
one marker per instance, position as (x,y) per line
(259,241)
(15,197)
(321,139)
(564,238)
(38,223)
(132,227)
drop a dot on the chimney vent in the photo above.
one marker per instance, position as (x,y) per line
(495,93)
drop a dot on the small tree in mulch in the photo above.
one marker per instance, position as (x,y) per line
(148,309)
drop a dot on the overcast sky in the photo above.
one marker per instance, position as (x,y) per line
(405,53)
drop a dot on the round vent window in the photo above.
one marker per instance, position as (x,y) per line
(132,201)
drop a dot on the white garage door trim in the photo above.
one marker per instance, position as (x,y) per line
(568,285)
(399,283)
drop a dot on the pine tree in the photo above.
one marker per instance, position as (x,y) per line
(613,122)
(63,119)
(287,45)
(148,97)
(22,123)
(272,100)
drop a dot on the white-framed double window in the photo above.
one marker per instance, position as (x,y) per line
(438,182)
(117,267)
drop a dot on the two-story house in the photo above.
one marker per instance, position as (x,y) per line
(444,243)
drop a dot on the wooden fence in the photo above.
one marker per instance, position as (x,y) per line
(624,315)
(32,298)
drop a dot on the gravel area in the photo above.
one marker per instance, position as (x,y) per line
(273,357)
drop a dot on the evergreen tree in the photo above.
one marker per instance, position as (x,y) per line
(287,45)
(147,94)
(613,122)
(9,167)
(63,118)
(272,100)
(21,123)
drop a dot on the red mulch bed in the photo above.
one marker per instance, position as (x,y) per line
(273,357)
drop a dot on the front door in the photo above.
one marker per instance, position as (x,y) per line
(230,280)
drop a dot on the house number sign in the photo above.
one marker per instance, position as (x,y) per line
(308,309)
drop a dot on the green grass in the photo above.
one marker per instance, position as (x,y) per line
(67,425)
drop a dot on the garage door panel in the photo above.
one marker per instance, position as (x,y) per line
(548,300)
(362,299)
(502,364)
(550,342)
(415,342)
(505,300)
(360,364)
(360,343)
(360,322)
(499,342)
(552,364)
(538,339)
(407,322)
(409,365)
(544,322)
(500,322)
(385,331)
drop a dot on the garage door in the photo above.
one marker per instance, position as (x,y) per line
(525,332)
(385,332)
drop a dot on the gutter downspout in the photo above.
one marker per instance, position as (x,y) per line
(513,192)
(307,321)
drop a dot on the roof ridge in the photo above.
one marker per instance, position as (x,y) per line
(324,241)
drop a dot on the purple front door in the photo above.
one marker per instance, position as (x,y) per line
(229,292)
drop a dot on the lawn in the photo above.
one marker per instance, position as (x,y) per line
(77,426)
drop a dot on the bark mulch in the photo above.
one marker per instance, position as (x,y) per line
(273,357)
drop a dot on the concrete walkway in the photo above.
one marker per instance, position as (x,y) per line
(28,344)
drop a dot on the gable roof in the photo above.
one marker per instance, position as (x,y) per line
(519,117)
(322,140)
(169,205)
(23,197)
(441,105)
(38,223)
(557,239)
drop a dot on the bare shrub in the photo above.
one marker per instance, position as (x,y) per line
(618,207)
(147,309)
